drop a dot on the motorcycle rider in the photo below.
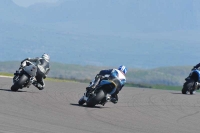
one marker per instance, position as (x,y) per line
(43,69)
(120,72)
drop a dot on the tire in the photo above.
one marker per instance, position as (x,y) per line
(14,87)
(17,85)
(188,87)
(81,101)
(91,102)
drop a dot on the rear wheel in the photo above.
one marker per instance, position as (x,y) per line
(91,102)
(19,84)
(188,87)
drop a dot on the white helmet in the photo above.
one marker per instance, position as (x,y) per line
(46,57)
(123,69)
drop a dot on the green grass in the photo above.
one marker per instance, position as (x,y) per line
(60,80)
(153,86)
(5,74)
(165,87)
(172,76)
(48,79)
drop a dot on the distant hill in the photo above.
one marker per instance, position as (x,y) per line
(139,34)
(173,76)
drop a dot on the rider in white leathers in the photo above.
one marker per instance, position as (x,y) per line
(43,69)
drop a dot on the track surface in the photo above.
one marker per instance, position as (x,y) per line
(55,110)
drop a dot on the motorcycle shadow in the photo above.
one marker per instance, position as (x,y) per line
(181,93)
(12,91)
(176,93)
(87,106)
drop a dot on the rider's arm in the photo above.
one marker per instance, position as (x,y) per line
(24,60)
(123,83)
(104,72)
(30,59)
(47,71)
(33,59)
(197,66)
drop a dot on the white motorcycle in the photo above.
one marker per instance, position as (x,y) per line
(25,76)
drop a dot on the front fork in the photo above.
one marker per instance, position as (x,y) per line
(15,78)
(88,94)
(31,80)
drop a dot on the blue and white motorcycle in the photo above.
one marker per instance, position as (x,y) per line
(192,82)
(100,94)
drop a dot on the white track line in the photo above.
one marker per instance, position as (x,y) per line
(6,76)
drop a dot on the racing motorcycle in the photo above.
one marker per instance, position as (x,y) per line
(192,82)
(25,76)
(101,93)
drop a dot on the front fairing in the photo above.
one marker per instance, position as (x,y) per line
(31,70)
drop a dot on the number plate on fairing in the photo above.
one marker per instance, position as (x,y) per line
(31,70)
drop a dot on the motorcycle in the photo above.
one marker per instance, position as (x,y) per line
(101,93)
(25,76)
(192,82)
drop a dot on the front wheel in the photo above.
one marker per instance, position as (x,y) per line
(81,101)
(14,87)
(188,87)
(19,84)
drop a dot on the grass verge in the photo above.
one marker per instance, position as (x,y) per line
(155,86)
(161,87)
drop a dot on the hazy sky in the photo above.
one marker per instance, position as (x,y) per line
(27,3)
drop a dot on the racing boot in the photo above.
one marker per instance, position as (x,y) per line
(114,99)
(39,86)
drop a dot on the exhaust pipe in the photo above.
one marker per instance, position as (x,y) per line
(197,84)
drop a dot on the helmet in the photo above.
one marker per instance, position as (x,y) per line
(123,69)
(46,57)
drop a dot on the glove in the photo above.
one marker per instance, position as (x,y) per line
(25,60)
(89,88)
(99,76)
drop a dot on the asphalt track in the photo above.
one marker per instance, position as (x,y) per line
(55,110)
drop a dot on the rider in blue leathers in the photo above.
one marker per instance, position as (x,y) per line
(117,73)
